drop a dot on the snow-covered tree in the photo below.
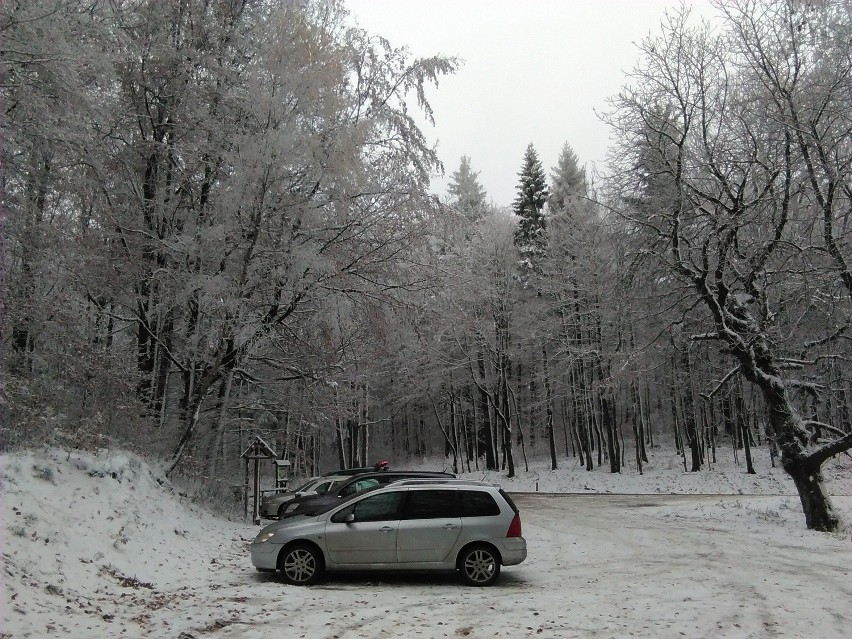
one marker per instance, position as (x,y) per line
(212,175)
(751,223)
(466,193)
(529,207)
(567,181)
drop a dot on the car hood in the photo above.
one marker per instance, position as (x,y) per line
(278,499)
(293,523)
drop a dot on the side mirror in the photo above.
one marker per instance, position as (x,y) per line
(350,518)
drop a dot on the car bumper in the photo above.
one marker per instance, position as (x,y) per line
(265,556)
(513,550)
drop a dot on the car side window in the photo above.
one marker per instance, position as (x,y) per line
(431,504)
(383,507)
(476,503)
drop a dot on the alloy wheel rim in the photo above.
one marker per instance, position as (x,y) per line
(479,566)
(299,565)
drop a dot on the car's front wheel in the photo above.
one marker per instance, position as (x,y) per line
(479,566)
(300,565)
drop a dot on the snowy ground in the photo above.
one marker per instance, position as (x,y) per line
(103,546)
(664,474)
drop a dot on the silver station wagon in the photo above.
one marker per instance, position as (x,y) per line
(452,524)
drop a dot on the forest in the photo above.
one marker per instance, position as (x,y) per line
(217,224)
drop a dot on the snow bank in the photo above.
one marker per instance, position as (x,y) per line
(85,536)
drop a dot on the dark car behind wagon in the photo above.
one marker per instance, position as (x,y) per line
(315,504)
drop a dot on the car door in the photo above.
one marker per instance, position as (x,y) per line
(368,539)
(430,526)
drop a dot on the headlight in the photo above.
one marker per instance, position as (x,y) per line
(263,537)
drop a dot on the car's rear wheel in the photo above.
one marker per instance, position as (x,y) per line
(479,565)
(300,565)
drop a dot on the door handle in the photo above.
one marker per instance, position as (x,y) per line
(385,529)
(449,526)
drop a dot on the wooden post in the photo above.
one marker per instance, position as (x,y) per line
(256,497)
(245,490)
(257,451)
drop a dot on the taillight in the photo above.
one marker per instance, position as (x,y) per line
(514,527)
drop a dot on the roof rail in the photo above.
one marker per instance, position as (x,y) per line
(440,480)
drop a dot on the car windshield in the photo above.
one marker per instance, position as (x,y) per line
(323,487)
(308,485)
(320,485)
(358,486)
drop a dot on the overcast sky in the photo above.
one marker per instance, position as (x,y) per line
(534,71)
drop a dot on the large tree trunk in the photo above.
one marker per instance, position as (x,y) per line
(801,457)
(795,459)
(816,504)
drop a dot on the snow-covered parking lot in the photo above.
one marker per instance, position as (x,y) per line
(98,547)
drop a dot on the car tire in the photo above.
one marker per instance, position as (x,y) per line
(300,565)
(479,565)
(282,509)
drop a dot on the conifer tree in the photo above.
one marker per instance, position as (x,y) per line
(568,181)
(529,207)
(466,192)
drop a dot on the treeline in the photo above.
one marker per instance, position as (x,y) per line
(207,202)
(218,226)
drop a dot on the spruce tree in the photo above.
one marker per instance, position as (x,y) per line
(529,207)
(568,182)
(466,192)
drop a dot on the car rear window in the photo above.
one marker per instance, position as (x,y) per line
(477,503)
(509,501)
